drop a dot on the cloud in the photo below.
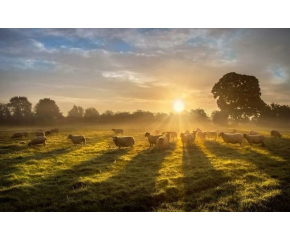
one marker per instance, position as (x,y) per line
(139,68)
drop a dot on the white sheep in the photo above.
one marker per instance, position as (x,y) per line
(162,142)
(124,141)
(256,139)
(80,139)
(275,133)
(232,137)
(116,131)
(17,135)
(152,138)
(187,139)
(37,140)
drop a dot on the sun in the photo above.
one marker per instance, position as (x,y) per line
(178,105)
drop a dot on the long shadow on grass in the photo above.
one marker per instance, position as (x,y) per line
(201,181)
(279,147)
(132,188)
(53,193)
(10,166)
(278,170)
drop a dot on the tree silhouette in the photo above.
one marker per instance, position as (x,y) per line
(219,117)
(198,114)
(20,108)
(91,114)
(5,114)
(76,112)
(239,95)
(47,111)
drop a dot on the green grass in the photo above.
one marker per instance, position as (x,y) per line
(210,176)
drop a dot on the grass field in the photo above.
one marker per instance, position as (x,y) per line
(210,176)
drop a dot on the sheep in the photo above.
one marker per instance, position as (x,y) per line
(201,135)
(173,135)
(256,139)
(152,138)
(254,133)
(54,130)
(25,134)
(124,141)
(187,139)
(162,142)
(167,134)
(211,135)
(40,133)
(275,134)
(77,139)
(232,137)
(48,133)
(17,135)
(37,140)
(116,131)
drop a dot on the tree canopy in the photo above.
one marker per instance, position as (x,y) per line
(47,110)
(238,95)
(20,108)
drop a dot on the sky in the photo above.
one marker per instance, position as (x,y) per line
(130,69)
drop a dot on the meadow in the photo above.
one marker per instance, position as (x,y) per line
(209,176)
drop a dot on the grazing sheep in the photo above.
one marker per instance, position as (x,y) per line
(152,138)
(187,139)
(157,132)
(211,135)
(48,133)
(162,142)
(17,135)
(116,131)
(173,135)
(232,137)
(37,140)
(25,134)
(40,133)
(80,139)
(124,141)
(256,139)
(54,130)
(201,135)
(254,133)
(275,134)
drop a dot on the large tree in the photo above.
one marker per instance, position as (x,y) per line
(198,114)
(76,112)
(91,114)
(20,108)
(46,110)
(238,95)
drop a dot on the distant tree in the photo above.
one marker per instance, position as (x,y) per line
(47,111)
(198,114)
(91,114)
(219,117)
(239,95)
(142,115)
(20,109)
(273,113)
(76,112)
(5,114)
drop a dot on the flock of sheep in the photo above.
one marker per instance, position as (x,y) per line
(160,140)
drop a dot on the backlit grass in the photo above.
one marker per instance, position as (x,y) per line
(209,176)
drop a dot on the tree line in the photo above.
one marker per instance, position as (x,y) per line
(238,99)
